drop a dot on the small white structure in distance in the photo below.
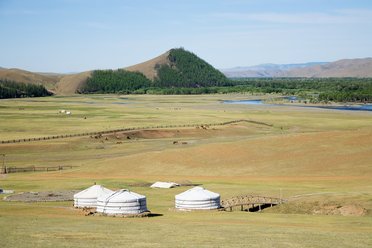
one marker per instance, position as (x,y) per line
(68,113)
(88,197)
(62,111)
(164,185)
(122,202)
(197,198)
(4,191)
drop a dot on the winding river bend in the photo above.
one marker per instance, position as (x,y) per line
(359,107)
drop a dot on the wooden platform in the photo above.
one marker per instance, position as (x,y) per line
(250,202)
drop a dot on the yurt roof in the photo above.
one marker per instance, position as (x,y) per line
(93,191)
(197,193)
(122,196)
(165,185)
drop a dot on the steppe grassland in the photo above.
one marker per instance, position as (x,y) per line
(307,151)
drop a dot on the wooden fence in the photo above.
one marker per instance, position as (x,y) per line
(130,129)
(12,169)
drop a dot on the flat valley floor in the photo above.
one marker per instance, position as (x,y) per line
(319,160)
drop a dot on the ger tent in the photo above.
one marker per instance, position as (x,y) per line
(121,202)
(88,197)
(197,198)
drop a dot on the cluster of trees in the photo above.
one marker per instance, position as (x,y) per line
(115,81)
(188,71)
(11,89)
(318,89)
(185,70)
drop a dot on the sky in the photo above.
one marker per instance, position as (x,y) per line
(77,35)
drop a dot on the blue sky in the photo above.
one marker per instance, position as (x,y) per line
(78,35)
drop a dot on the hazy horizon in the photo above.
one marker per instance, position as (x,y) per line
(66,36)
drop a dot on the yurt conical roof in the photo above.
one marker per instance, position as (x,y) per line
(197,198)
(122,202)
(88,197)
(93,191)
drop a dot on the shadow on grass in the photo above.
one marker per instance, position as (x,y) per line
(260,208)
(155,215)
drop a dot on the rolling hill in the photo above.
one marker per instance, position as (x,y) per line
(265,70)
(17,75)
(342,68)
(176,68)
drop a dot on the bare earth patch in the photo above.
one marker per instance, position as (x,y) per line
(347,210)
(47,196)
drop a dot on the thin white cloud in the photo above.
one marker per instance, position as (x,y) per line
(343,16)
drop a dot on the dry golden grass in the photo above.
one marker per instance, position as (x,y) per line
(29,77)
(69,84)
(318,159)
(148,68)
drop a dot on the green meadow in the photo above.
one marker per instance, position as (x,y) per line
(318,160)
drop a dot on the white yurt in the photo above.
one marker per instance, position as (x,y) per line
(88,197)
(197,198)
(122,202)
(164,185)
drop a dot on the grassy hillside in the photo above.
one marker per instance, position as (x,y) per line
(17,75)
(148,68)
(180,69)
(70,84)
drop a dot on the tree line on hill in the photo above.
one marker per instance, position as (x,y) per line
(115,81)
(11,89)
(185,70)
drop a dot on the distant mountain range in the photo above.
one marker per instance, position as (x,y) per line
(340,68)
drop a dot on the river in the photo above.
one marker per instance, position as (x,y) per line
(356,107)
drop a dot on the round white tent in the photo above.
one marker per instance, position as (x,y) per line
(88,197)
(197,198)
(122,202)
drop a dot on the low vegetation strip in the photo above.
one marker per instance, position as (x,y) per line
(130,129)
(7,170)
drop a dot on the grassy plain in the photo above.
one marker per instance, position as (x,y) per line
(315,158)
